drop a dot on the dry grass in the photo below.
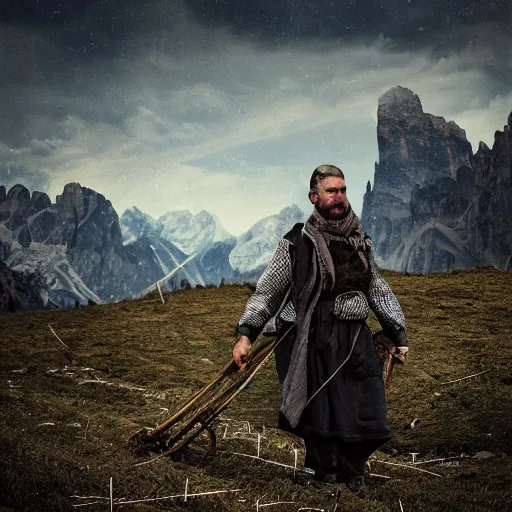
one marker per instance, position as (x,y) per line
(66,413)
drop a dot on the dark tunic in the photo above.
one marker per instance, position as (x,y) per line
(347,419)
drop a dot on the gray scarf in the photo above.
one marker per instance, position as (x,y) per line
(320,231)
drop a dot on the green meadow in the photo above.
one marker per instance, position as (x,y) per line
(72,398)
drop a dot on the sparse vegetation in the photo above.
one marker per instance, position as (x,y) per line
(67,414)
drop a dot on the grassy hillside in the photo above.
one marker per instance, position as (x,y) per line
(67,411)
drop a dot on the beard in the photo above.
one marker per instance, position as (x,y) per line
(327,212)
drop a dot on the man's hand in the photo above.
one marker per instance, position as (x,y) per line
(241,350)
(401,352)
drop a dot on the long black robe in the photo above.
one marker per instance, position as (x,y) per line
(346,421)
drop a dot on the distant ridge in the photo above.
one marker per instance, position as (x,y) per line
(82,253)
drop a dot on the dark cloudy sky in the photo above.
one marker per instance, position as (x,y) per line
(229,105)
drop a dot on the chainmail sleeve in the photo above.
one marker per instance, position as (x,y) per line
(270,292)
(386,307)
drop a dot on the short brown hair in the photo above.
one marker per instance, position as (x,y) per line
(322,172)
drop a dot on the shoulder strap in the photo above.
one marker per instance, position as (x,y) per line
(293,236)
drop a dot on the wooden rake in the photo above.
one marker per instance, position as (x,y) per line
(196,416)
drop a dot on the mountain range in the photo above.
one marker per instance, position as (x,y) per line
(79,251)
(434,206)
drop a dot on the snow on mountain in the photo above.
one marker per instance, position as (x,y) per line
(219,254)
(171,262)
(221,234)
(135,224)
(191,233)
(170,237)
(255,247)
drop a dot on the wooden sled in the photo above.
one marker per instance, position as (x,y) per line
(175,434)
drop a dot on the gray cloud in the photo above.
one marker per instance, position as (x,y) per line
(169,107)
(14,174)
(41,148)
(409,23)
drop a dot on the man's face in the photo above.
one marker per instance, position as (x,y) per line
(330,198)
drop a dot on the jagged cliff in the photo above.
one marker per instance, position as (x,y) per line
(434,205)
(19,291)
(77,245)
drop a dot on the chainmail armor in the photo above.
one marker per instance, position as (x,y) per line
(271,288)
(273,285)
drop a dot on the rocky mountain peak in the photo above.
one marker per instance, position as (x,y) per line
(19,192)
(434,205)
(134,214)
(83,201)
(399,102)
(16,206)
(292,211)
(133,211)
(136,224)
(483,147)
(204,215)
(414,147)
(40,201)
(255,247)
(191,233)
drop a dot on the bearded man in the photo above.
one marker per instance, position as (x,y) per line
(322,280)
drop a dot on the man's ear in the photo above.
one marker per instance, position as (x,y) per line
(313,196)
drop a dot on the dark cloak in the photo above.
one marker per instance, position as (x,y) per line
(352,406)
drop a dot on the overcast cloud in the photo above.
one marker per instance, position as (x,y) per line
(204,105)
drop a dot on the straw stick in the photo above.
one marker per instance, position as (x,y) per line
(87,428)
(438,460)
(160,292)
(111,496)
(277,503)
(268,461)
(468,377)
(57,336)
(258,502)
(176,496)
(88,497)
(336,500)
(407,466)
